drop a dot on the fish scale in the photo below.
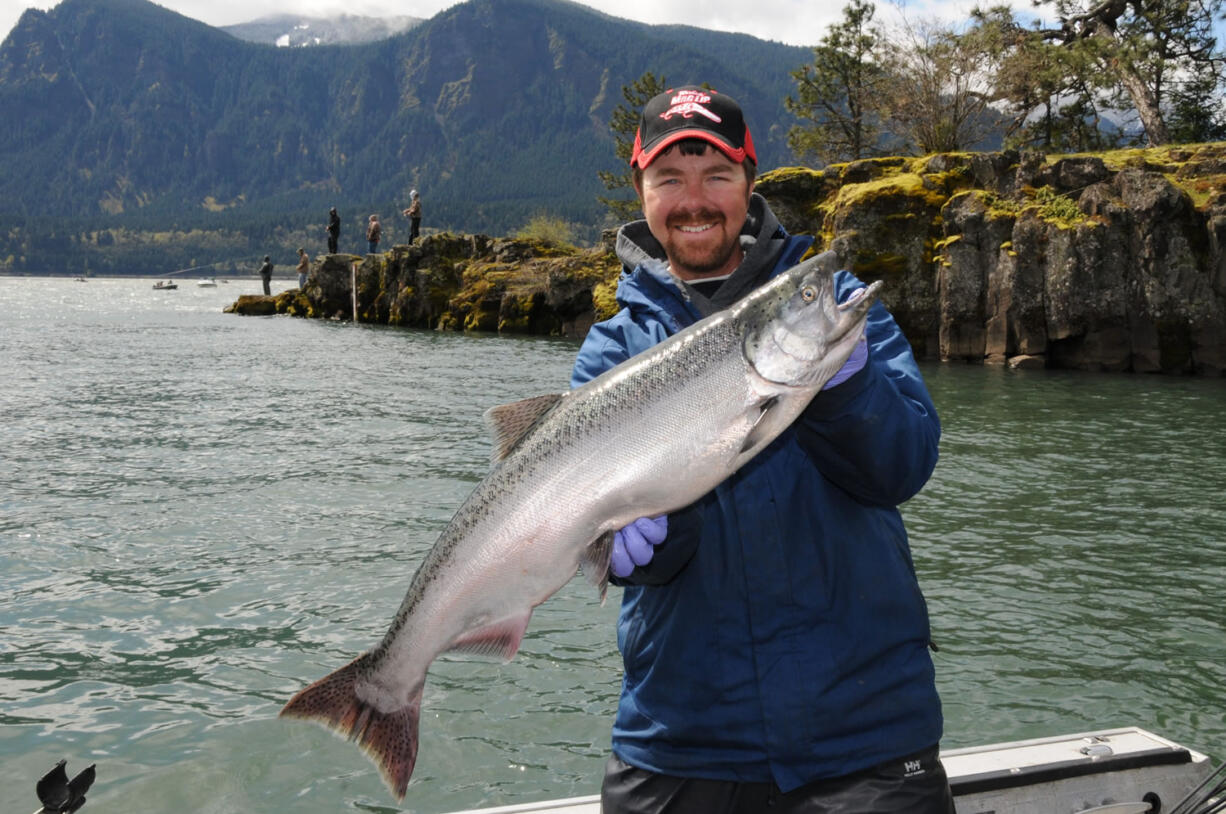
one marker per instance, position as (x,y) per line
(647,437)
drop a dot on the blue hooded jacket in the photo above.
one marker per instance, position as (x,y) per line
(779,633)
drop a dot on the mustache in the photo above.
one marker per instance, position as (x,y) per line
(695,218)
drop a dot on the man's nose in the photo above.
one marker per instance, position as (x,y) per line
(694,197)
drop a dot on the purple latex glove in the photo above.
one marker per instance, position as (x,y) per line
(859,354)
(635,544)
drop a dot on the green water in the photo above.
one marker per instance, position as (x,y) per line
(200,513)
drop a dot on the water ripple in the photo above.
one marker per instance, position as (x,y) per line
(201,512)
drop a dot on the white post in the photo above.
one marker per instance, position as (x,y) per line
(353,287)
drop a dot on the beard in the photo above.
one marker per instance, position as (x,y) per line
(707,256)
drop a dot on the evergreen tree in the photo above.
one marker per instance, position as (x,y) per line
(839,92)
(624,122)
(1156,59)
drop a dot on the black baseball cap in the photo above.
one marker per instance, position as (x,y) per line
(691,112)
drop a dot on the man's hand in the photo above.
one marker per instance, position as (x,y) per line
(635,544)
(859,354)
(854,364)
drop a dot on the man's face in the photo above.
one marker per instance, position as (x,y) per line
(695,206)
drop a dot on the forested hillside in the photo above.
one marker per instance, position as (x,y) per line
(141,140)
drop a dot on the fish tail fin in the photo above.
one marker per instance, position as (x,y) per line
(388,738)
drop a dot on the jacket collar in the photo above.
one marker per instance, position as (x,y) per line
(647,283)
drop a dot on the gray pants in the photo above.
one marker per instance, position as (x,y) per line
(915,784)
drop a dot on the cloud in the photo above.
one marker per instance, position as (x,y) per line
(795,22)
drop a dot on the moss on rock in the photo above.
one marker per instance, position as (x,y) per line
(1085,260)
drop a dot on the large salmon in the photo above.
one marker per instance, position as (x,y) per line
(649,436)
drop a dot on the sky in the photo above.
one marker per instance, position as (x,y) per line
(795,22)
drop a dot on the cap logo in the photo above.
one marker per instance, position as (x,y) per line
(688,102)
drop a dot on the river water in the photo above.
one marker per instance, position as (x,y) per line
(200,513)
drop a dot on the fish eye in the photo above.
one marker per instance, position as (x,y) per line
(808,293)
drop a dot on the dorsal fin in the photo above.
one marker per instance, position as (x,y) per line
(509,423)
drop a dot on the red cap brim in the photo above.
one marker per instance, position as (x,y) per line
(642,158)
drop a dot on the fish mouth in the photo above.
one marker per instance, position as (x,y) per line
(853,312)
(807,353)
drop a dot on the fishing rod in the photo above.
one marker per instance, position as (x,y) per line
(1207,798)
(196,268)
(193,268)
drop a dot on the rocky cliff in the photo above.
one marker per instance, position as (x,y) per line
(458,282)
(1111,262)
(1093,262)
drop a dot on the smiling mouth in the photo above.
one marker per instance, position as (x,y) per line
(693,230)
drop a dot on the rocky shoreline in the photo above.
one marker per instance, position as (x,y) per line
(1111,262)
(457,282)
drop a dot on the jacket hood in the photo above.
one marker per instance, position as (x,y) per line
(645,264)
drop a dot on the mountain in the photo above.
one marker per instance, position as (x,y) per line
(295,31)
(497,110)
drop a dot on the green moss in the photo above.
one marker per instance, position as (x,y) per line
(604,300)
(791,174)
(515,315)
(1204,190)
(1178,163)
(876,167)
(1045,203)
(907,185)
(1057,209)
(481,319)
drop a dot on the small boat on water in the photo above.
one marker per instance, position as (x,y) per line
(1110,771)
(164,286)
(207,282)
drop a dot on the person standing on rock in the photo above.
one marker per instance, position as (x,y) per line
(413,213)
(266,275)
(304,265)
(774,636)
(333,229)
(373,232)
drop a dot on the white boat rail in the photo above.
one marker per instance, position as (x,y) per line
(1108,771)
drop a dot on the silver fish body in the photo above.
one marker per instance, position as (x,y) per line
(647,437)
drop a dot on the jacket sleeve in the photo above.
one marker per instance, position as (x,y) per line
(603,349)
(607,345)
(876,434)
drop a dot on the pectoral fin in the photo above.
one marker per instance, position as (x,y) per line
(595,563)
(762,432)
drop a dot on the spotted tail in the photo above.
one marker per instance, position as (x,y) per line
(388,738)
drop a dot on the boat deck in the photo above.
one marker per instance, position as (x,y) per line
(1059,775)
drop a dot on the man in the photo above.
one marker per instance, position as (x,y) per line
(413,213)
(266,275)
(304,266)
(333,229)
(774,636)
(373,232)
